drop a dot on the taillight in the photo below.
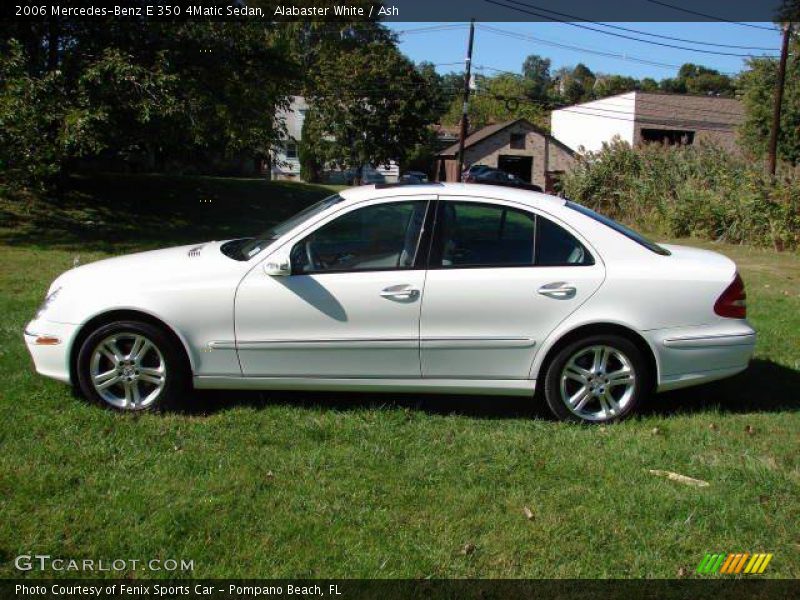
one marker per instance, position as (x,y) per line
(733,301)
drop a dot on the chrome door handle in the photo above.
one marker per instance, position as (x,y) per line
(559,290)
(402,291)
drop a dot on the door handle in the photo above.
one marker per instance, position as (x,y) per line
(560,290)
(402,291)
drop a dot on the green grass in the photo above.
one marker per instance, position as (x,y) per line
(362,485)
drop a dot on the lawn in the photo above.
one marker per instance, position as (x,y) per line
(362,485)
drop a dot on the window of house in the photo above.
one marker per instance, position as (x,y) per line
(518,141)
(668,137)
(291,150)
(374,238)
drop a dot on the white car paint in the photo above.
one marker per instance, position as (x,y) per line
(479,330)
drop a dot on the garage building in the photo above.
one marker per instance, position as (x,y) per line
(517,147)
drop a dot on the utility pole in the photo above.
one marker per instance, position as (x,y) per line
(776,112)
(467,73)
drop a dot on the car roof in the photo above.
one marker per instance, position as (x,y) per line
(467,190)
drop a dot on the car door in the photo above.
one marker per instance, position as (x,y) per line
(350,308)
(500,279)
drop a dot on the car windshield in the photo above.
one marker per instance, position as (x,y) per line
(247,248)
(619,228)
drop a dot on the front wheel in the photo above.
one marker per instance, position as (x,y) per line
(131,366)
(598,379)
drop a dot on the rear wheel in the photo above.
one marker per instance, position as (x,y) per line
(599,379)
(131,366)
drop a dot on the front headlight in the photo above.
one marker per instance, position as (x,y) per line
(48,301)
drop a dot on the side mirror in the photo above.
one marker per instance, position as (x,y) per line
(278,265)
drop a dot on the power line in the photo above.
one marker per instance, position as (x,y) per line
(707,16)
(611,33)
(640,32)
(537,40)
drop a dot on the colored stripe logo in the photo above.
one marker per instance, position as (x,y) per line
(733,564)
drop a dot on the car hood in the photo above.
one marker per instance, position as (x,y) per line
(152,268)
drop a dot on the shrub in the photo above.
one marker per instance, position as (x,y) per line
(699,191)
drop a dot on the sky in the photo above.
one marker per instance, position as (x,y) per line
(446,46)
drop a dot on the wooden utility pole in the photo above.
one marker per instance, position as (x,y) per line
(467,74)
(776,111)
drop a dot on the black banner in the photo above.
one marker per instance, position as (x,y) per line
(349,589)
(405,10)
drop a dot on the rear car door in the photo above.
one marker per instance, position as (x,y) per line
(500,279)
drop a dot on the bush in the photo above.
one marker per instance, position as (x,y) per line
(699,191)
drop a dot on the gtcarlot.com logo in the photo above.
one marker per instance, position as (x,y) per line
(45,562)
(734,564)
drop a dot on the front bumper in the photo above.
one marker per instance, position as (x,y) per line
(49,344)
(691,356)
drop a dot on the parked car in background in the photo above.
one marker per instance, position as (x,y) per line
(473,171)
(413,177)
(452,288)
(497,177)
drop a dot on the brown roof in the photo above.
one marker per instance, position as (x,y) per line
(489,131)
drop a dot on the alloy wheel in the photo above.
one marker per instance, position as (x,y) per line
(598,383)
(128,371)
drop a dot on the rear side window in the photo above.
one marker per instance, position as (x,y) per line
(556,247)
(470,234)
(619,228)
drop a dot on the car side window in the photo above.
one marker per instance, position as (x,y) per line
(556,247)
(374,238)
(471,234)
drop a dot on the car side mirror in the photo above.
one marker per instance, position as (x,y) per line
(278,265)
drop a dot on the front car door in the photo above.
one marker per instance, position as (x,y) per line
(500,279)
(350,308)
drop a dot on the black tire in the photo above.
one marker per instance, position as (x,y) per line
(176,374)
(636,362)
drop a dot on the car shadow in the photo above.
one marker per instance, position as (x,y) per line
(765,387)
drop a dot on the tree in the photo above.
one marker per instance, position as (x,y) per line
(536,70)
(610,85)
(137,88)
(648,84)
(497,99)
(758,88)
(370,105)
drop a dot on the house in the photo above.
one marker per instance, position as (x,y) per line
(286,159)
(644,117)
(285,162)
(517,147)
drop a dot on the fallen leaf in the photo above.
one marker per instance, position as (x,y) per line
(655,431)
(528,513)
(680,478)
(713,427)
(468,548)
(270,474)
(683,572)
(749,430)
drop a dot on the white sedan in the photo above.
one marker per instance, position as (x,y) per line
(452,288)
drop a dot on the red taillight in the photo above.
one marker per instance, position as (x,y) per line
(733,301)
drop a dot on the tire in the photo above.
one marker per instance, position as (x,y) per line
(576,373)
(131,366)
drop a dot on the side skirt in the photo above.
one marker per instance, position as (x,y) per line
(490,387)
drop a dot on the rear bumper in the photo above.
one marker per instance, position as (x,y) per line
(691,356)
(49,343)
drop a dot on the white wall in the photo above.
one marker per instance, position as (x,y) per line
(590,124)
(293,118)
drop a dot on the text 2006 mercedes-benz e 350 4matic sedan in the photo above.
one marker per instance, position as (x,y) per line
(456,288)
